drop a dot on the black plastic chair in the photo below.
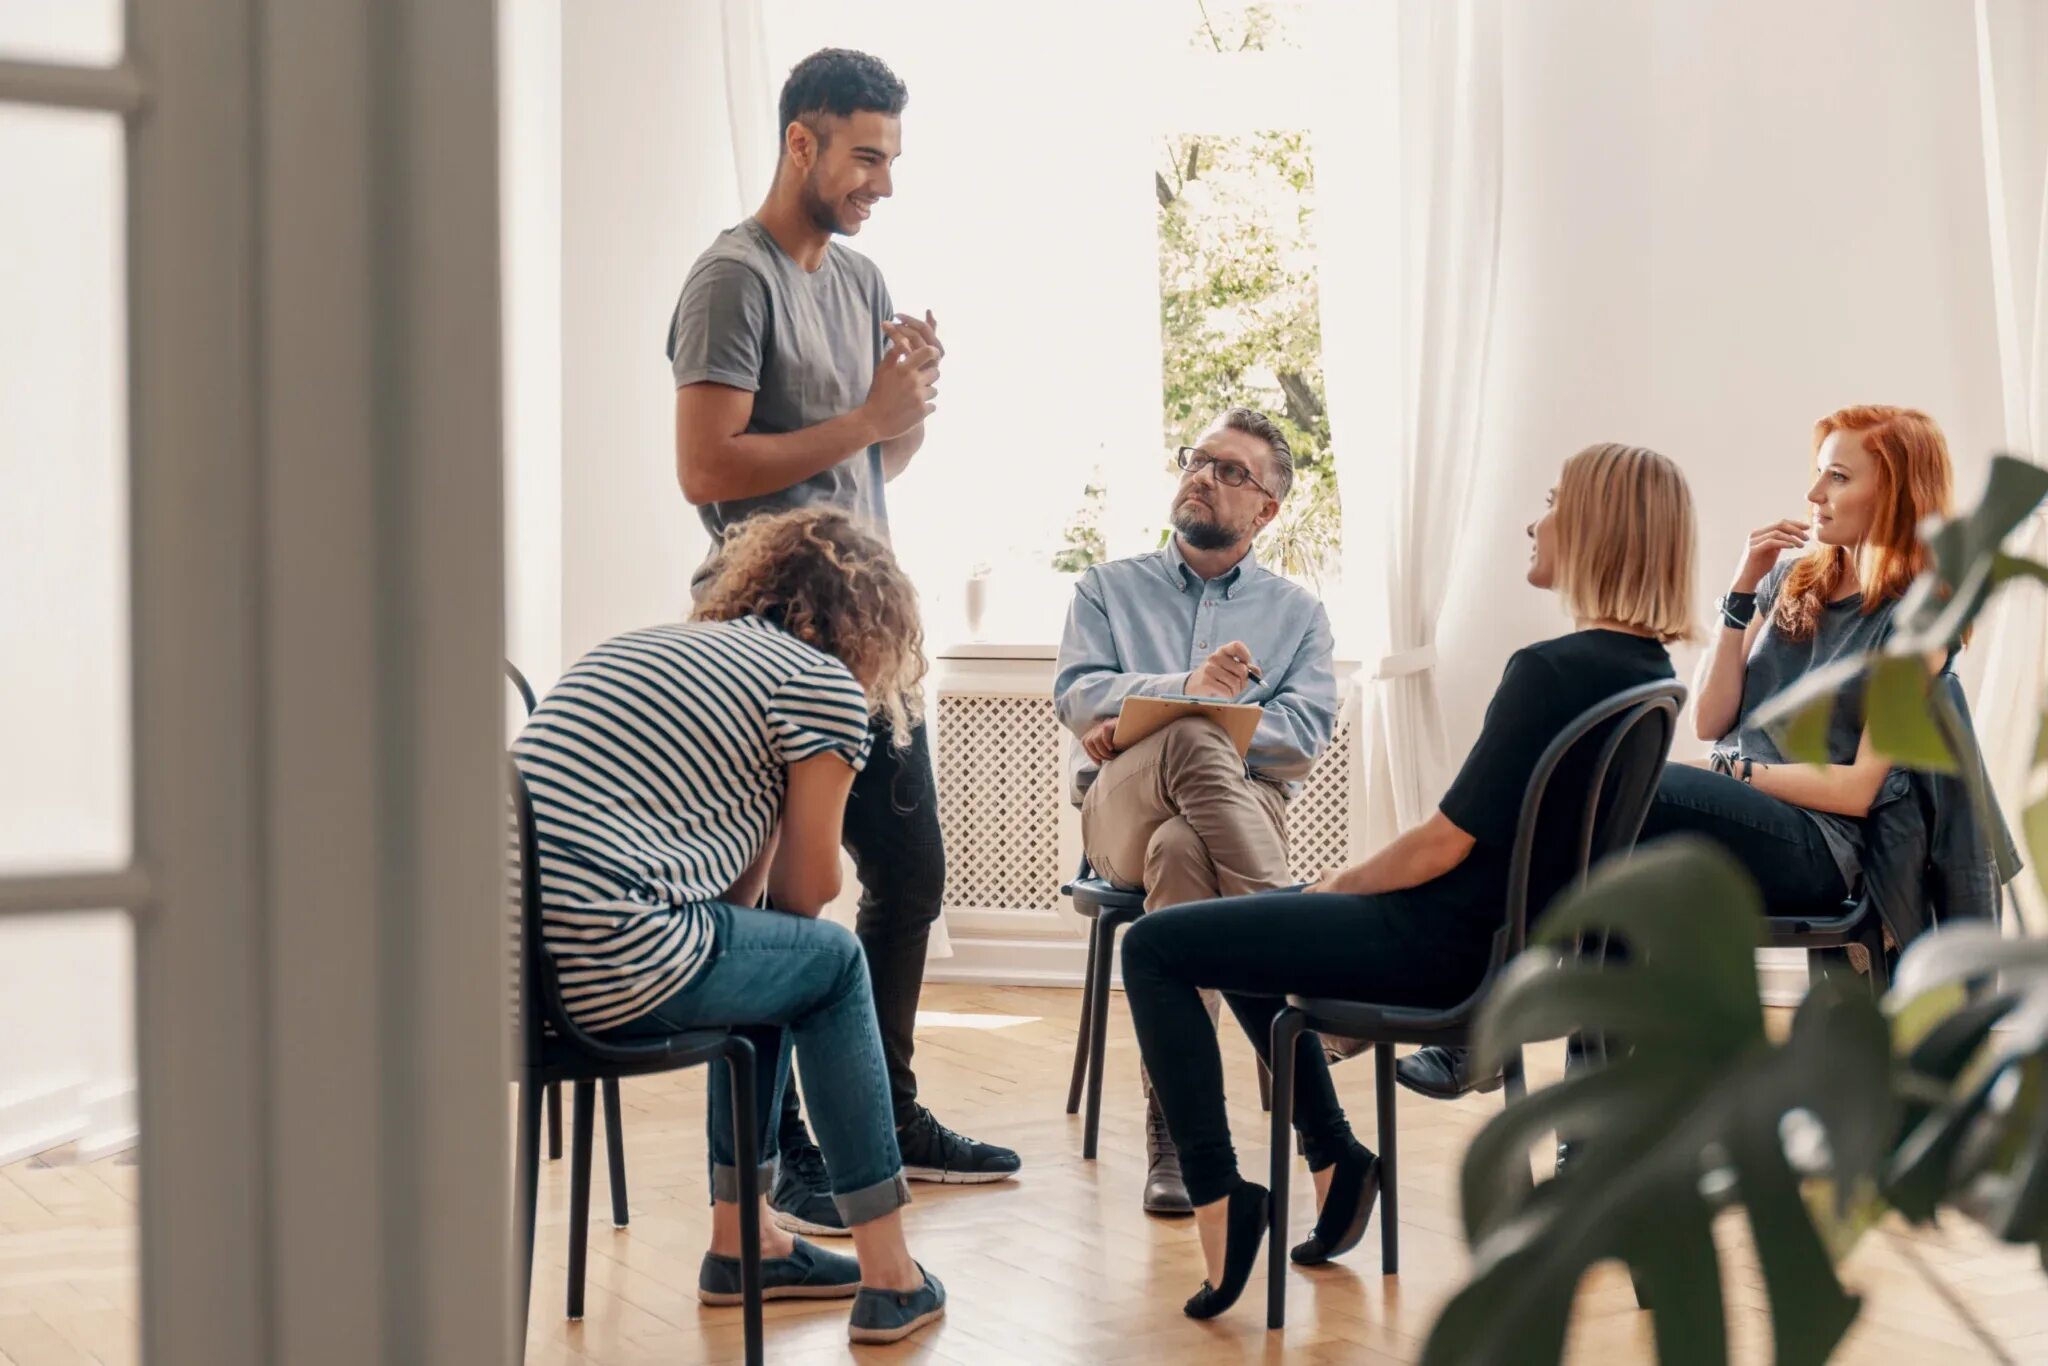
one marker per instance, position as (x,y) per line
(553,1049)
(1109,908)
(614,1130)
(1610,811)
(1857,921)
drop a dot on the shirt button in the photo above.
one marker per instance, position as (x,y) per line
(1201,645)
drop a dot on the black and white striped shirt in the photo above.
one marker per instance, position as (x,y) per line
(657,765)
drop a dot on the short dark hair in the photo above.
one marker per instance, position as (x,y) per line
(1254,423)
(840,82)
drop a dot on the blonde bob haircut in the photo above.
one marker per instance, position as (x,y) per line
(1624,528)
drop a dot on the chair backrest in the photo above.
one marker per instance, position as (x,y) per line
(529,989)
(537,988)
(519,681)
(1627,761)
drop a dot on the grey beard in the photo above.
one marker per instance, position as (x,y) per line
(1201,533)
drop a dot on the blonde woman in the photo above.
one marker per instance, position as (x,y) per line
(678,773)
(1413,924)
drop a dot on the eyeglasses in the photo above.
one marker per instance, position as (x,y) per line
(1228,473)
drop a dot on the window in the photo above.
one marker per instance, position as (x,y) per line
(1110,209)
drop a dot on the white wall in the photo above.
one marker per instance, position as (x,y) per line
(66,986)
(530,191)
(647,180)
(1721,221)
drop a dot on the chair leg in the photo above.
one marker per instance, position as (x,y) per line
(554,1121)
(528,1188)
(1265,1086)
(1288,1026)
(1873,941)
(746,1124)
(583,1118)
(1083,1034)
(1098,1030)
(1517,1082)
(615,1150)
(1390,1160)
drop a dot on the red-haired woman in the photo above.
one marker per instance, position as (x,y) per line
(1799,828)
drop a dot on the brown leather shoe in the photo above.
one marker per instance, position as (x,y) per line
(1165,1193)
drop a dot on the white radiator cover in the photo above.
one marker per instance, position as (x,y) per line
(1012,837)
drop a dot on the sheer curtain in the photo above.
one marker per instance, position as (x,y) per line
(2016,189)
(1409,187)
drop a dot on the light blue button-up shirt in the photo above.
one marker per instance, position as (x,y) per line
(1142,625)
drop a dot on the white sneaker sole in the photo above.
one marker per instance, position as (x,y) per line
(782,1292)
(896,1334)
(795,1223)
(952,1178)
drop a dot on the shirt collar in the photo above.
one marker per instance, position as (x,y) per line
(1185,578)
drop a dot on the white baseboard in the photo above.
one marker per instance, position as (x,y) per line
(100,1119)
(1014,962)
(111,1125)
(36,1121)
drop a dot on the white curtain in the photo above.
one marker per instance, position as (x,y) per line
(1409,189)
(751,94)
(2015,631)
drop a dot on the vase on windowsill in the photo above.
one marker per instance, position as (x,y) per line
(977,601)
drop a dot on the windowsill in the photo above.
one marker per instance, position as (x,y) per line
(996,649)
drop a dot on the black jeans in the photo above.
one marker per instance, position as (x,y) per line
(1777,842)
(892,831)
(1419,947)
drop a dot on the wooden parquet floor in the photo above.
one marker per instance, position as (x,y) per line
(1058,1266)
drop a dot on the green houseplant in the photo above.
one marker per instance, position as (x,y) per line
(1933,1099)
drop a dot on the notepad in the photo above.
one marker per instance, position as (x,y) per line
(1141,716)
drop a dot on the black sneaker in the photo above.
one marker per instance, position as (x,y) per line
(932,1152)
(802,1202)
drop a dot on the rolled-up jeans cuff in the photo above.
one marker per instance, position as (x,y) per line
(872,1202)
(725,1181)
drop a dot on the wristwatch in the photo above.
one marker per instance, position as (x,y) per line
(1738,610)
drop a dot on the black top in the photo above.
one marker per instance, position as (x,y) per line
(1545,688)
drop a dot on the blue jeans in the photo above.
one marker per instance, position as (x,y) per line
(780,979)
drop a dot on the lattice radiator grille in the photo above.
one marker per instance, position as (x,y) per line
(1319,819)
(1002,788)
(1000,794)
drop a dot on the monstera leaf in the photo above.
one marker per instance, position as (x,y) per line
(1931,620)
(1700,1109)
(1980,1140)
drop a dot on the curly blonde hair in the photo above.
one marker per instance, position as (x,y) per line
(834,585)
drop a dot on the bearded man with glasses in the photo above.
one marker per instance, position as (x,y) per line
(1179,814)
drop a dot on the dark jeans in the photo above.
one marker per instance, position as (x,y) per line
(1418,947)
(892,831)
(1778,843)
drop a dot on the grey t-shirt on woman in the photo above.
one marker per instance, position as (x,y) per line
(1776,662)
(804,343)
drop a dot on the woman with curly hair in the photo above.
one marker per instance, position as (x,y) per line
(678,774)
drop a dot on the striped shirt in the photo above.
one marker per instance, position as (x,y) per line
(658,765)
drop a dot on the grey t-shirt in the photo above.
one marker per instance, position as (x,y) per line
(1776,662)
(804,343)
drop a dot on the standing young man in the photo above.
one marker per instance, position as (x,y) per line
(797,383)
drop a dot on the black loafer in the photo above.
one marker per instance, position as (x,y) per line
(1347,1209)
(1246,1229)
(1442,1073)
